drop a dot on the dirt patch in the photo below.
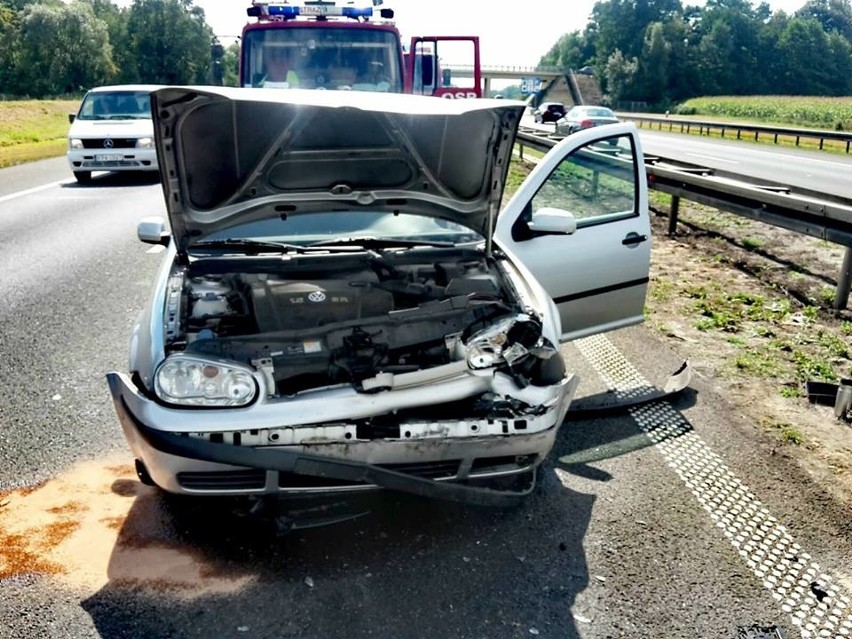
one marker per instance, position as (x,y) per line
(750,305)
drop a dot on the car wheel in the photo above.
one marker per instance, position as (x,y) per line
(83,177)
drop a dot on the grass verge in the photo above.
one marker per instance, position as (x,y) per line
(33,129)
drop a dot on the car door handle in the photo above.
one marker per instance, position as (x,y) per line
(634,238)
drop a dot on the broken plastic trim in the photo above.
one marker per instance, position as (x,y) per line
(600,404)
(293,461)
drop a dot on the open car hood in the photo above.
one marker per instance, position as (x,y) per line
(230,156)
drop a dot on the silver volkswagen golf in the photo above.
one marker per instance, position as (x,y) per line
(344,304)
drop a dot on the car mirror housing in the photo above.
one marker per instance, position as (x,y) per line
(153,230)
(553,220)
(71,118)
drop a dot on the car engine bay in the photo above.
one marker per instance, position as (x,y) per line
(322,319)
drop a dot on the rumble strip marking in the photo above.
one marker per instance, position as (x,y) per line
(810,596)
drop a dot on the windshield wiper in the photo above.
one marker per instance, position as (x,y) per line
(371,241)
(255,247)
(248,246)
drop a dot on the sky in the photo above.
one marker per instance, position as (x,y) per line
(507,35)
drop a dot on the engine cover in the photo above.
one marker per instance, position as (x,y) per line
(282,305)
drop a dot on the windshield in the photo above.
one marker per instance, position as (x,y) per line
(322,57)
(116,105)
(600,113)
(307,229)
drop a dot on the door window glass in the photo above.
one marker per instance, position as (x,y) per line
(597,182)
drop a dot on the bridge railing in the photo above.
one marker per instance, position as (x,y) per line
(791,208)
(496,68)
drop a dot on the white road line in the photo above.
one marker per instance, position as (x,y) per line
(713,157)
(159,248)
(812,598)
(36,189)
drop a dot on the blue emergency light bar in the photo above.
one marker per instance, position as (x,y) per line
(313,9)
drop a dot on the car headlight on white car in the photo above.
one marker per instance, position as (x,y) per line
(144,143)
(504,342)
(75,143)
(193,381)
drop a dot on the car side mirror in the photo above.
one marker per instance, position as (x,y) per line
(71,118)
(552,220)
(153,230)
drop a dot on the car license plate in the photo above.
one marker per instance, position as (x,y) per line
(108,157)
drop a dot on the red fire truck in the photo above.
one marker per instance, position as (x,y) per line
(320,45)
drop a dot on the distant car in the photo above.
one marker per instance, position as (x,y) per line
(341,306)
(112,131)
(549,112)
(585,117)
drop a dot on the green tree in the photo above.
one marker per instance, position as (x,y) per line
(18,5)
(621,76)
(833,15)
(715,50)
(170,40)
(61,49)
(653,65)
(124,54)
(621,24)
(571,51)
(8,34)
(810,62)
(230,64)
(682,78)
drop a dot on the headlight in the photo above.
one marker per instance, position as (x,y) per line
(504,342)
(75,143)
(144,143)
(193,381)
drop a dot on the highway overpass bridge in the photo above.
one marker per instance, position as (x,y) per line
(551,83)
(546,75)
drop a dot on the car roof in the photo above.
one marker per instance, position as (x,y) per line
(126,87)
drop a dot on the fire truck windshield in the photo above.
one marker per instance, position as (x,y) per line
(322,56)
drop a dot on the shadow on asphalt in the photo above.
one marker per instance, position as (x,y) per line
(196,567)
(582,442)
(117,179)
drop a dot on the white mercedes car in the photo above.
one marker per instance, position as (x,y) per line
(344,305)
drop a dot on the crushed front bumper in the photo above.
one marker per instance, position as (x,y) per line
(428,459)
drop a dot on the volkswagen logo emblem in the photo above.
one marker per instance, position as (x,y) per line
(108,143)
(316,296)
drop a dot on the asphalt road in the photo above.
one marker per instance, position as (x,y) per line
(675,520)
(822,172)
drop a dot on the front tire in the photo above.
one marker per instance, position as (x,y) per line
(83,177)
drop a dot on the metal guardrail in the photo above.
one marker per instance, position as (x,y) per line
(687,126)
(799,210)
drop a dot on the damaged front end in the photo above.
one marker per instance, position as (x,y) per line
(404,369)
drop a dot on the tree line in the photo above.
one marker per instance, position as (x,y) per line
(51,48)
(661,52)
(656,51)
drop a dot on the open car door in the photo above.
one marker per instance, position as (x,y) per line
(580,224)
(426,76)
